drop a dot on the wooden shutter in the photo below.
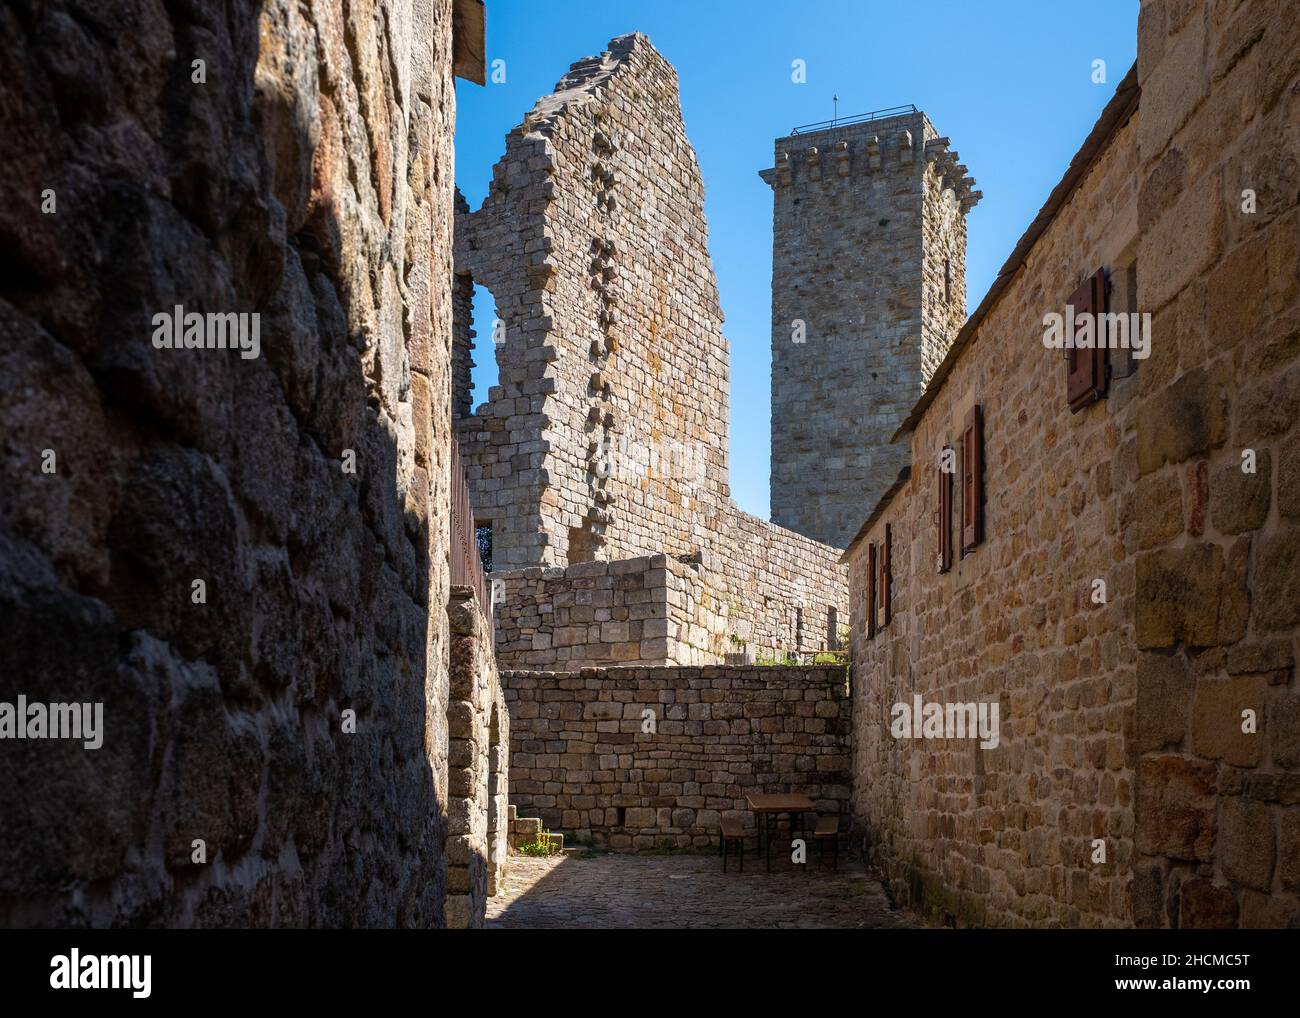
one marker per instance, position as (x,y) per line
(945,516)
(871,591)
(972,479)
(886,577)
(1087,371)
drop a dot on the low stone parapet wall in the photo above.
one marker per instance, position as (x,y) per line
(638,758)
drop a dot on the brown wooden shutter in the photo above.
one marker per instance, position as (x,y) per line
(886,576)
(1087,371)
(945,516)
(972,479)
(871,591)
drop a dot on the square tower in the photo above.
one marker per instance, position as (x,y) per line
(868,291)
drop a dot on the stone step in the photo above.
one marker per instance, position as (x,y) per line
(527,825)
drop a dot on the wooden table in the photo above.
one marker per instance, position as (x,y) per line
(765,804)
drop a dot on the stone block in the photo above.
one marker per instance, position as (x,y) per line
(1217,720)
(1245,847)
(1239,501)
(1182,594)
(1175,811)
(1164,691)
(1187,418)
(1204,905)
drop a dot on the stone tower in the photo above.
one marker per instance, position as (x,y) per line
(868,291)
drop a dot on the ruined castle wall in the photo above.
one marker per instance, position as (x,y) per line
(586,758)
(658,610)
(868,222)
(307,180)
(607,437)
(612,407)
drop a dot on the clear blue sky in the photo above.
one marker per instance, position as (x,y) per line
(1009,81)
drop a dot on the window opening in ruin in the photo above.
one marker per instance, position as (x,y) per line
(832,629)
(798,629)
(483,535)
(486,335)
(947,280)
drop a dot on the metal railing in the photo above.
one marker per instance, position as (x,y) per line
(861,118)
(466,565)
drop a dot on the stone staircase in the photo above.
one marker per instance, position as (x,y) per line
(528,830)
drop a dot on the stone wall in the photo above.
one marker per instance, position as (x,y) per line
(587,758)
(868,289)
(478,758)
(1003,836)
(657,610)
(1216,550)
(611,414)
(306,178)
(1121,716)
(606,439)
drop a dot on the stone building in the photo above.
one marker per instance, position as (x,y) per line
(599,461)
(242,560)
(1114,559)
(868,290)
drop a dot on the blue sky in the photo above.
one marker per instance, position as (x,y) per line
(1009,81)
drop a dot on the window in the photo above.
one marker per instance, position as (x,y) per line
(1087,368)
(883,584)
(832,629)
(483,535)
(798,629)
(945,510)
(972,479)
(871,591)
(947,280)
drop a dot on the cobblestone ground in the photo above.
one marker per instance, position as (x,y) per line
(619,891)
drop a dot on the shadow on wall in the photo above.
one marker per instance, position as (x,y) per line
(200,561)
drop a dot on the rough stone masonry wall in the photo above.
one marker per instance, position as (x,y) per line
(869,220)
(612,405)
(657,610)
(308,180)
(582,761)
(630,612)
(607,437)
(1120,721)
(478,759)
(1004,836)
(1217,566)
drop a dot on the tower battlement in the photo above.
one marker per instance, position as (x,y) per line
(868,290)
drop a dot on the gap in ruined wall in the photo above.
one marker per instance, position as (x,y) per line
(476,327)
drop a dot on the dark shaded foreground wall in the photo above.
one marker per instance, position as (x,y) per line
(307,179)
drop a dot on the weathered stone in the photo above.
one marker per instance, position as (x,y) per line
(1238,500)
(1205,905)
(1163,691)
(1277,580)
(1288,849)
(1217,720)
(1175,808)
(1245,846)
(1185,419)
(1284,730)
(1181,594)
